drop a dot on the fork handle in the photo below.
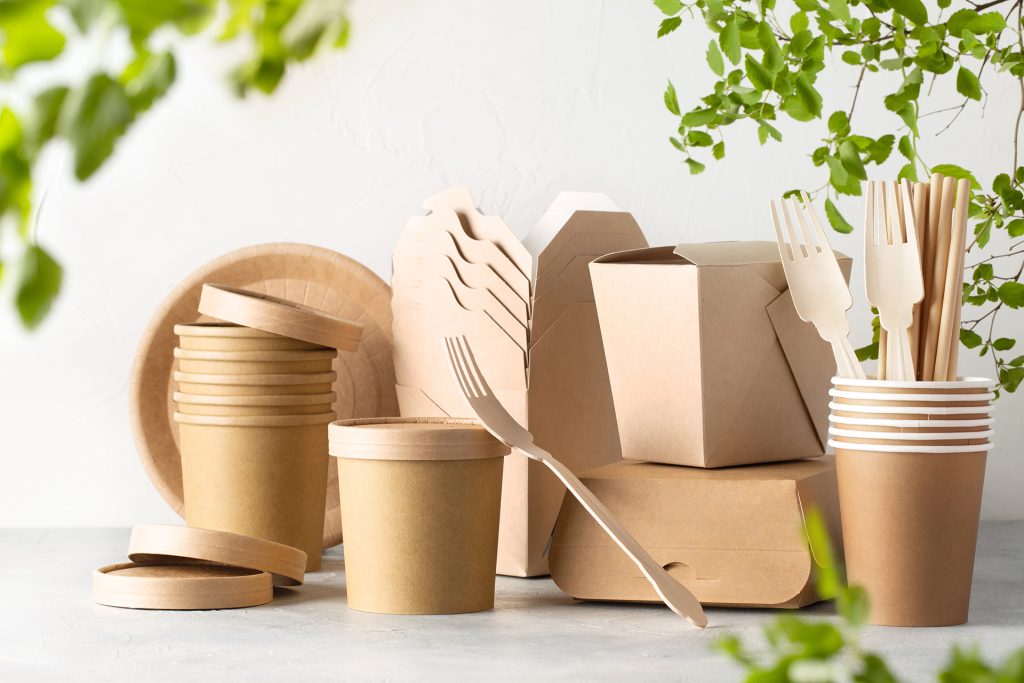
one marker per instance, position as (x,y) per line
(691,609)
(847,364)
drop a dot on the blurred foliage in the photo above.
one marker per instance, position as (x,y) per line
(766,58)
(92,116)
(817,651)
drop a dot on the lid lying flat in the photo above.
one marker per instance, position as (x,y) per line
(160,543)
(180,586)
(271,314)
(413,438)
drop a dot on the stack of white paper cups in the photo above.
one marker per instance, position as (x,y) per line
(252,409)
(911,466)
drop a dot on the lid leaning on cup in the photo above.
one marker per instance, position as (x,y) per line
(280,316)
(413,438)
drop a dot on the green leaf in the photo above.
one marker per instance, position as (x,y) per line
(695,166)
(671,101)
(1004,344)
(147,78)
(143,17)
(850,157)
(718,151)
(805,104)
(970,339)
(1012,294)
(15,171)
(698,117)
(983,271)
(729,40)
(853,605)
(798,22)
(27,35)
(699,138)
(766,130)
(1015,227)
(93,118)
(839,224)
(45,115)
(911,9)
(774,60)
(829,581)
(669,25)
(714,57)
(758,75)
(669,7)
(967,83)
(954,171)
(839,123)
(840,10)
(38,285)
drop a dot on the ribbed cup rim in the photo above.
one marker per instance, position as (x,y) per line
(276,379)
(919,410)
(412,438)
(254,420)
(962,383)
(256,356)
(838,444)
(929,398)
(910,436)
(911,424)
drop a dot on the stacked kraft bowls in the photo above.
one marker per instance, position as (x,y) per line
(910,460)
(253,401)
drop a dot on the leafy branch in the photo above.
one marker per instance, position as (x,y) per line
(93,115)
(767,67)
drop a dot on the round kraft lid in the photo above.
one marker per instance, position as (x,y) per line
(413,438)
(222,329)
(164,543)
(280,316)
(180,586)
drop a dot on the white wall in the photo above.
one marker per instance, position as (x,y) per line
(518,100)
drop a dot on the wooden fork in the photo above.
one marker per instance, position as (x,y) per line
(817,286)
(892,270)
(503,426)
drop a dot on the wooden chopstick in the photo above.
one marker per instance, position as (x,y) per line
(921,228)
(938,279)
(928,271)
(952,294)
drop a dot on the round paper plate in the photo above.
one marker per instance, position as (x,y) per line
(312,276)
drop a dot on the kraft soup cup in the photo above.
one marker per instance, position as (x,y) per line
(308,404)
(255,385)
(885,425)
(254,362)
(910,525)
(262,476)
(420,502)
(220,336)
(921,413)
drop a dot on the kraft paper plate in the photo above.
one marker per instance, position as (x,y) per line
(310,275)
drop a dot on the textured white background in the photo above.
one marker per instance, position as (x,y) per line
(518,100)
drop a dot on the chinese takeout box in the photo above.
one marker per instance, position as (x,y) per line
(734,536)
(708,361)
(530,318)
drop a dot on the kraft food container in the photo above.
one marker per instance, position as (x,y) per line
(255,385)
(218,336)
(262,476)
(302,404)
(420,507)
(254,362)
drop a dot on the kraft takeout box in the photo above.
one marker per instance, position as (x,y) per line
(734,536)
(530,318)
(709,363)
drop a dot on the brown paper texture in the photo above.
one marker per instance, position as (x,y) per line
(734,536)
(910,524)
(266,482)
(709,364)
(559,389)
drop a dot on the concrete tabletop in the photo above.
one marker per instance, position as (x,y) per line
(50,628)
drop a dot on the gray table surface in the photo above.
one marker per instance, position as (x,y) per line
(51,630)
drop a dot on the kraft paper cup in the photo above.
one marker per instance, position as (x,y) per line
(885,425)
(910,525)
(254,362)
(218,336)
(966,385)
(920,413)
(309,404)
(255,385)
(420,500)
(257,476)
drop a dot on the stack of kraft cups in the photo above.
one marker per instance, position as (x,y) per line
(911,466)
(252,409)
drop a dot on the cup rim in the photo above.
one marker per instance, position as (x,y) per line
(869,396)
(296,355)
(886,448)
(254,420)
(923,410)
(885,422)
(260,400)
(271,379)
(962,383)
(911,436)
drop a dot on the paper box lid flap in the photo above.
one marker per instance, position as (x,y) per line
(728,253)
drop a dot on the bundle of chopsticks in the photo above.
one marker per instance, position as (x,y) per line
(937,222)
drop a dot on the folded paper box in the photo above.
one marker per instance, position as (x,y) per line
(734,536)
(708,361)
(529,315)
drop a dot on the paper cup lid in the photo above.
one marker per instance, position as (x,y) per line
(180,586)
(286,318)
(413,438)
(283,400)
(161,543)
(254,420)
(279,379)
(255,356)
(839,444)
(222,329)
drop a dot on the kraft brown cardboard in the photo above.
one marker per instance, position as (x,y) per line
(734,536)
(708,362)
(220,336)
(255,385)
(420,501)
(910,524)
(558,387)
(254,362)
(257,476)
(180,586)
